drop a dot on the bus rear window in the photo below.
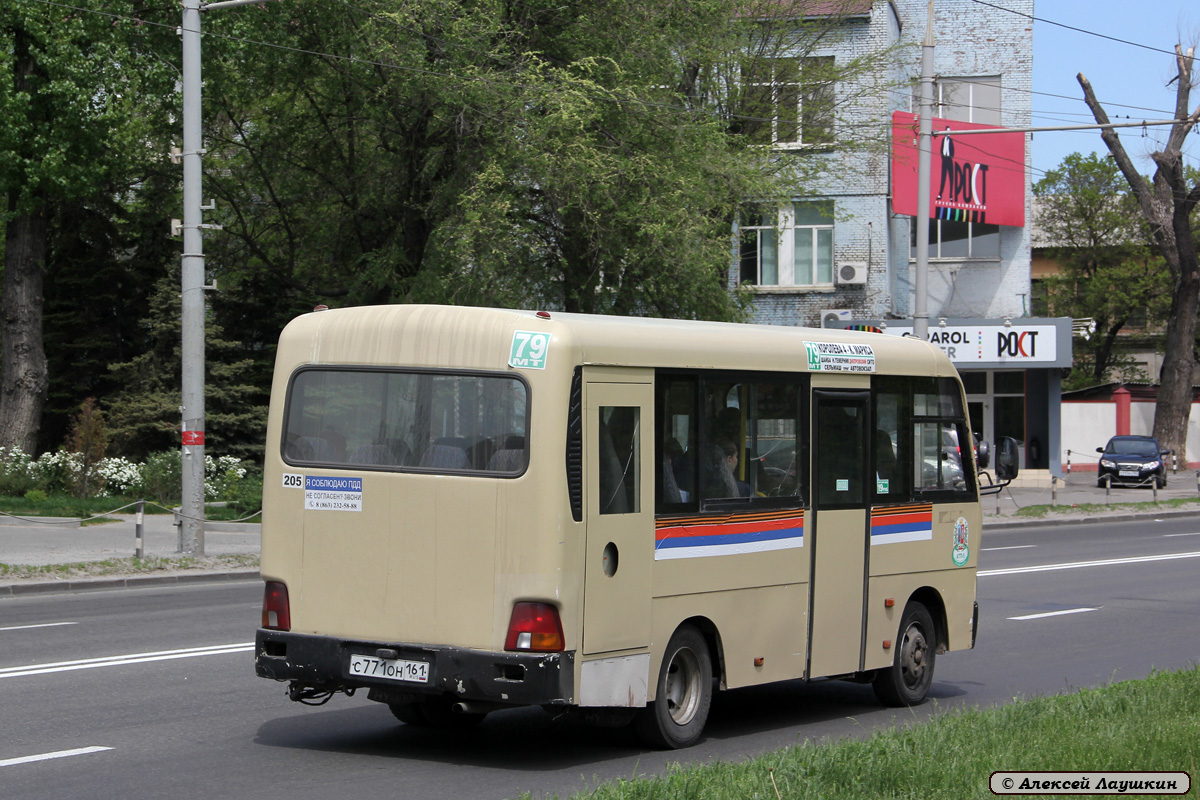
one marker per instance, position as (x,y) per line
(411,421)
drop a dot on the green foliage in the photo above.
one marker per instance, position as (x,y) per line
(18,476)
(144,413)
(581,156)
(1111,271)
(82,88)
(36,496)
(162,477)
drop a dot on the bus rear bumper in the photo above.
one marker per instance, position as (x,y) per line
(323,664)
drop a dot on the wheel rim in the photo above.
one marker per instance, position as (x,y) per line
(914,654)
(683,686)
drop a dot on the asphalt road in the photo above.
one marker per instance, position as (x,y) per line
(151,692)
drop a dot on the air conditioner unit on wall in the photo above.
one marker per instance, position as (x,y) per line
(851,273)
(833,317)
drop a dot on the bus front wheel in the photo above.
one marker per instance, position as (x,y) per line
(907,680)
(684,694)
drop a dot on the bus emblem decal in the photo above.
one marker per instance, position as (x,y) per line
(961,551)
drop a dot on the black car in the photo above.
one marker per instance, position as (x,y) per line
(1133,460)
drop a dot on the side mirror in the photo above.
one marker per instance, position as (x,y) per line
(1007,458)
(983,455)
(1099,449)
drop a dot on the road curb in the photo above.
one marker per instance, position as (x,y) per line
(1128,516)
(126,582)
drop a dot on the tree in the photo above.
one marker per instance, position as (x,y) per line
(1111,272)
(587,157)
(143,414)
(72,86)
(1167,204)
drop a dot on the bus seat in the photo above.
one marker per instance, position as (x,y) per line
(375,454)
(316,448)
(507,461)
(441,456)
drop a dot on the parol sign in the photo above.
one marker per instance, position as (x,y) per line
(995,344)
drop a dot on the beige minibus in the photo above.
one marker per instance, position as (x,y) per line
(469,509)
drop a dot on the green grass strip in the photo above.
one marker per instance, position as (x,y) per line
(1152,724)
(127,566)
(1174,504)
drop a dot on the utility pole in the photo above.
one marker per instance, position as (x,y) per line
(924,159)
(191,532)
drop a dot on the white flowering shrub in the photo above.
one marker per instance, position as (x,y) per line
(17,472)
(121,476)
(58,470)
(225,477)
(221,476)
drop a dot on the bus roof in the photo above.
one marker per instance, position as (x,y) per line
(480,338)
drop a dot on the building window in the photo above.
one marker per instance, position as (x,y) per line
(789,101)
(968,99)
(790,246)
(951,239)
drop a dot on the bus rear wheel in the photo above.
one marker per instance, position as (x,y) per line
(906,682)
(683,696)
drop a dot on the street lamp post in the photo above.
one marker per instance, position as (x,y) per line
(191,532)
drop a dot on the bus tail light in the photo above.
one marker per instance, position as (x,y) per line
(276,610)
(535,627)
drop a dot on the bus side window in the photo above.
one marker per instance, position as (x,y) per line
(620,450)
(676,450)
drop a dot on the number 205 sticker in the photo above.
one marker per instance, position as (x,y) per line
(529,349)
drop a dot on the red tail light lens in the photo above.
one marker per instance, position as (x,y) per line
(276,610)
(535,627)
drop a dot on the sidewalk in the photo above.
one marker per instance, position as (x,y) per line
(1079,489)
(42,543)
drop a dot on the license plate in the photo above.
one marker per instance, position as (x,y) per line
(1128,473)
(392,669)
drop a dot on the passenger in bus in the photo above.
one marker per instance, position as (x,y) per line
(887,468)
(720,461)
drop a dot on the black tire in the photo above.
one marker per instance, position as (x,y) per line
(683,695)
(409,714)
(906,682)
(435,712)
(1161,480)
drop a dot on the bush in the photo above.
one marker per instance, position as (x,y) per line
(246,493)
(121,476)
(36,496)
(17,473)
(161,477)
(87,443)
(222,476)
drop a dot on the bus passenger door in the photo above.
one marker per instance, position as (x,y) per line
(619,489)
(840,493)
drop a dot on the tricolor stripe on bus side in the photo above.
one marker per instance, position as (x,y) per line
(903,524)
(696,537)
